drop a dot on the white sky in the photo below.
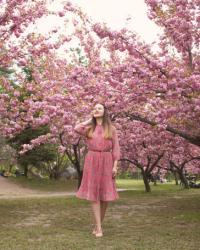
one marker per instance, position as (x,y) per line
(114,13)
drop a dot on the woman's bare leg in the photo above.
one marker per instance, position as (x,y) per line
(104,205)
(96,209)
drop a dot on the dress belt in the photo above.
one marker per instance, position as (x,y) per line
(101,150)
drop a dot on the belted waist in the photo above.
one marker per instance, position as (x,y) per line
(108,150)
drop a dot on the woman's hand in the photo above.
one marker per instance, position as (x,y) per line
(114,172)
(92,113)
(88,122)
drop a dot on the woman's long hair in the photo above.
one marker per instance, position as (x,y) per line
(106,123)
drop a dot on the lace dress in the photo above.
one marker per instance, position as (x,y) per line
(97,181)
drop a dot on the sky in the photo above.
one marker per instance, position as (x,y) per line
(115,14)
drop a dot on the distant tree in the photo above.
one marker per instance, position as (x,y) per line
(38,155)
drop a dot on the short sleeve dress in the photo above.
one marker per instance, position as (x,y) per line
(97,181)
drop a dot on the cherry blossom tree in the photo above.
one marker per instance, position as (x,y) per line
(168,82)
(49,87)
(182,158)
(141,87)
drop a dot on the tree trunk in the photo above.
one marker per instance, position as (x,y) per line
(80,178)
(80,173)
(176,177)
(10,167)
(76,164)
(183,179)
(146,183)
(54,174)
(25,170)
(174,172)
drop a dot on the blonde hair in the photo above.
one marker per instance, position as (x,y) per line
(106,123)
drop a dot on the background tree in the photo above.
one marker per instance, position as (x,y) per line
(38,155)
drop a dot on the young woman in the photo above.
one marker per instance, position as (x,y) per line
(100,166)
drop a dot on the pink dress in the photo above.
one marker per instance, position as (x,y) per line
(97,182)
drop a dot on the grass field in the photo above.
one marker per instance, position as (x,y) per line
(71,185)
(167,218)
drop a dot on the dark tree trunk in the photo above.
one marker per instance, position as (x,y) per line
(146,182)
(174,172)
(25,170)
(80,173)
(176,177)
(76,164)
(10,168)
(57,172)
(183,179)
(54,175)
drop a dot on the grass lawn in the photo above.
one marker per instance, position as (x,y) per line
(167,218)
(67,185)
(71,185)
(45,184)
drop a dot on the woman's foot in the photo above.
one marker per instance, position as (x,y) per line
(99,233)
(94,230)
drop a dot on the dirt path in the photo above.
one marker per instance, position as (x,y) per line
(9,190)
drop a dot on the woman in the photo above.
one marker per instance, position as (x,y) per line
(100,167)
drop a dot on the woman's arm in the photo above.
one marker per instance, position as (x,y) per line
(81,128)
(116,148)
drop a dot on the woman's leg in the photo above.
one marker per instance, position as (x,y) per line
(96,209)
(104,205)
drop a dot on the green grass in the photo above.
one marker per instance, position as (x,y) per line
(71,185)
(130,183)
(166,219)
(45,184)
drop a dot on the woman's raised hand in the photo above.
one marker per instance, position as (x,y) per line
(87,122)
(92,113)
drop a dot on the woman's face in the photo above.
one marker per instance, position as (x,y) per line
(98,110)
